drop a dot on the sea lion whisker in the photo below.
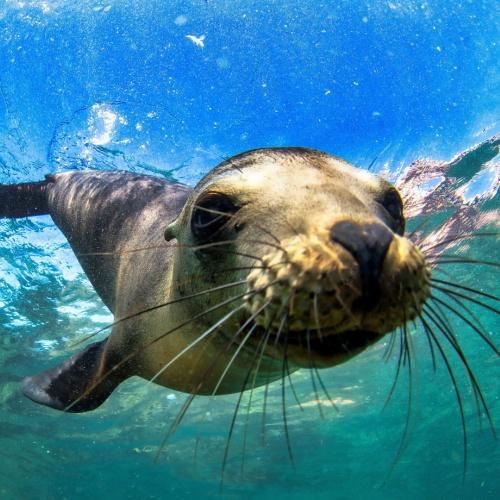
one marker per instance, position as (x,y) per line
(457,394)
(241,240)
(466,320)
(283,405)
(204,246)
(230,435)
(425,249)
(165,245)
(454,293)
(441,262)
(241,268)
(202,336)
(316,316)
(177,245)
(240,347)
(398,370)
(175,423)
(123,252)
(441,314)
(450,256)
(207,311)
(269,233)
(444,318)
(292,386)
(405,348)
(284,319)
(283,323)
(233,339)
(410,357)
(448,333)
(437,315)
(311,361)
(390,346)
(236,353)
(211,222)
(243,254)
(453,341)
(245,433)
(404,437)
(277,246)
(229,215)
(465,288)
(235,414)
(263,242)
(266,387)
(290,225)
(313,382)
(264,409)
(158,306)
(184,410)
(323,387)
(291,300)
(253,266)
(431,347)
(346,309)
(249,404)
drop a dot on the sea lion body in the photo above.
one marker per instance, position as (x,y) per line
(103,213)
(278,259)
(106,214)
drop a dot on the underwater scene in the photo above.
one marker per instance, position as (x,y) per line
(166,91)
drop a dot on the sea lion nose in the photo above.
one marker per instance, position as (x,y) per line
(368,244)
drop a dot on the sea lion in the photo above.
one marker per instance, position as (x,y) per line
(278,259)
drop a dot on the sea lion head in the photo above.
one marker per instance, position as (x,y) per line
(315,248)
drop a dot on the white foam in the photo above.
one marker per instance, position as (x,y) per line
(102,123)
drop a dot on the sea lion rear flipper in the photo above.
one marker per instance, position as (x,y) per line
(24,200)
(74,384)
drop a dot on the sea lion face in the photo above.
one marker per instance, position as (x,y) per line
(318,247)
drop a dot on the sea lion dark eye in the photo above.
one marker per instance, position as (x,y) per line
(211,214)
(393,205)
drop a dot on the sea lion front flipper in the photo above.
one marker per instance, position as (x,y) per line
(74,384)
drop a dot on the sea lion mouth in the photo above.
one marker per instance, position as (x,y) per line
(328,346)
(305,348)
(342,343)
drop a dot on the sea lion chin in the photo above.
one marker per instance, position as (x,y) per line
(284,254)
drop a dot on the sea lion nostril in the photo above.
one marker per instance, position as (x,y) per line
(368,244)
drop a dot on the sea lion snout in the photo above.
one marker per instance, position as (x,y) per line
(368,244)
(338,289)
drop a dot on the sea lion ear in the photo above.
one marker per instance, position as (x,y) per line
(75,384)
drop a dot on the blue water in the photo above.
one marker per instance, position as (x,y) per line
(91,84)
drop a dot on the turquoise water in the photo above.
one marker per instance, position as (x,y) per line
(117,85)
